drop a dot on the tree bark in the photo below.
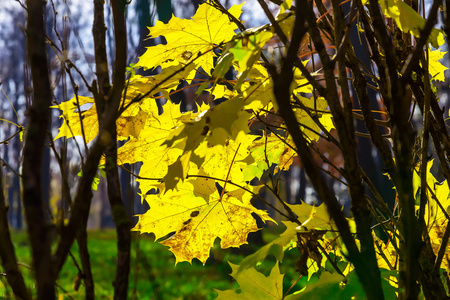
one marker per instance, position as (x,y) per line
(39,119)
(114,193)
(7,254)
(107,100)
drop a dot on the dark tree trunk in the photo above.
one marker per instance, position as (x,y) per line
(39,120)
(128,191)
(107,99)
(7,254)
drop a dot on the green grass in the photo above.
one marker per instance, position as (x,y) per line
(153,271)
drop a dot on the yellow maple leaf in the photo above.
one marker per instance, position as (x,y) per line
(198,223)
(254,285)
(128,124)
(258,93)
(214,126)
(71,118)
(435,67)
(148,147)
(227,161)
(247,51)
(416,177)
(191,40)
(275,248)
(286,19)
(302,84)
(313,217)
(268,150)
(387,256)
(408,20)
(132,120)
(156,129)
(317,107)
(435,219)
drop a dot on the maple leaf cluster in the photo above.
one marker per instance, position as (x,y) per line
(188,157)
(201,169)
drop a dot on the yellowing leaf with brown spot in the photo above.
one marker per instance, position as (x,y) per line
(197,223)
(191,40)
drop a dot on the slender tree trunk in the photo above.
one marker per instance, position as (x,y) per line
(7,255)
(114,193)
(107,99)
(39,119)
(85,263)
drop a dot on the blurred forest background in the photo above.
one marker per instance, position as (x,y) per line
(70,22)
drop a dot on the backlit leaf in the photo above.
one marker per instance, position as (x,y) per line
(254,285)
(196,223)
(275,248)
(247,51)
(435,67)
(191,40)
(317,108)
(408,20)
(132,120)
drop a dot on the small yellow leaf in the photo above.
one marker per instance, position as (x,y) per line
(275,248)
(285,6)
(359,27)
(254,285)
(313,217)
(247,51)
(317,107)
(272,149)
(436,68)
